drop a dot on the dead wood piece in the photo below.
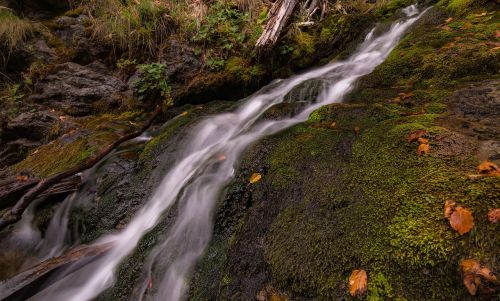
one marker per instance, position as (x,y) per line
(11,190)
(278,18)
(15,213)
(23,279)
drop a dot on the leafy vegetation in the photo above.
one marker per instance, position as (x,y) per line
(153,83)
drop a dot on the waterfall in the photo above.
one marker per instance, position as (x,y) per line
(195,182)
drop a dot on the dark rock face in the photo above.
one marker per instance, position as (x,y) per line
(72,33)
(74,89)
(182,64)
(44,8)
(22,134)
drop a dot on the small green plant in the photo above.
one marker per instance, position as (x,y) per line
(153,83)
(215,64)
(222,27)
(125,63)
(11,93)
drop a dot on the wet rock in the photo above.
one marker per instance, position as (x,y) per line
(15,151)
(33,126)
(71,31)
(475,110)
(74,89)
(22,134)
(182,64)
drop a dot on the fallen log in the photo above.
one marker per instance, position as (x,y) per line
(13,285)
(12,190)
(13,215)
(278,18)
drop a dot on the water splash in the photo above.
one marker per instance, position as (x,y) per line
(196,181)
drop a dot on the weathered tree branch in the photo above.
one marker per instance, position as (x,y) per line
(278,17)
(15,284)
(14,214)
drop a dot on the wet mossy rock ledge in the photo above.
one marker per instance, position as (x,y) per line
(348,189)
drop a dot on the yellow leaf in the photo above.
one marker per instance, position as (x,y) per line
(358,283)
(461,220)
(184,113)
(256,177)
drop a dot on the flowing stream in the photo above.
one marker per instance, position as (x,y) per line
(195,182)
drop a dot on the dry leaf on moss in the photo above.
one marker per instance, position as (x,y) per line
(488,168)
(404,96)
(473,273)
(494,215)
(449,208)
(256,177)
(22,178)
(358,283)
(413,136)
(423,141)
(423,149)
(461,220)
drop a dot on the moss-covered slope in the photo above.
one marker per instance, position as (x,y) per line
(346,190)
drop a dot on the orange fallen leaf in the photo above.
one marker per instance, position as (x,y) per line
(449,20)
(473,273)
(333,125)
(472,283)
(494,215)
(221,157)
(356,130)
(461,220)
(404,96)
(22,178)
(256,177)
(184,113)
(423,141)
(358,283)
(413,136)
(423,149)
(150,283)
(449,207)
(488,167)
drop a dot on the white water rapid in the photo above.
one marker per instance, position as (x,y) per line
(195,182)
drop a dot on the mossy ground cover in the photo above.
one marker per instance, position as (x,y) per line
(84,138)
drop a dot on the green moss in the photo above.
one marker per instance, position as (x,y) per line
(77,146)
(379,288)
(74,12)
(172,127)
(381,211)
(57,157)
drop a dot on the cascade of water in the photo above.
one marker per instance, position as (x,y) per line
(197,179)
